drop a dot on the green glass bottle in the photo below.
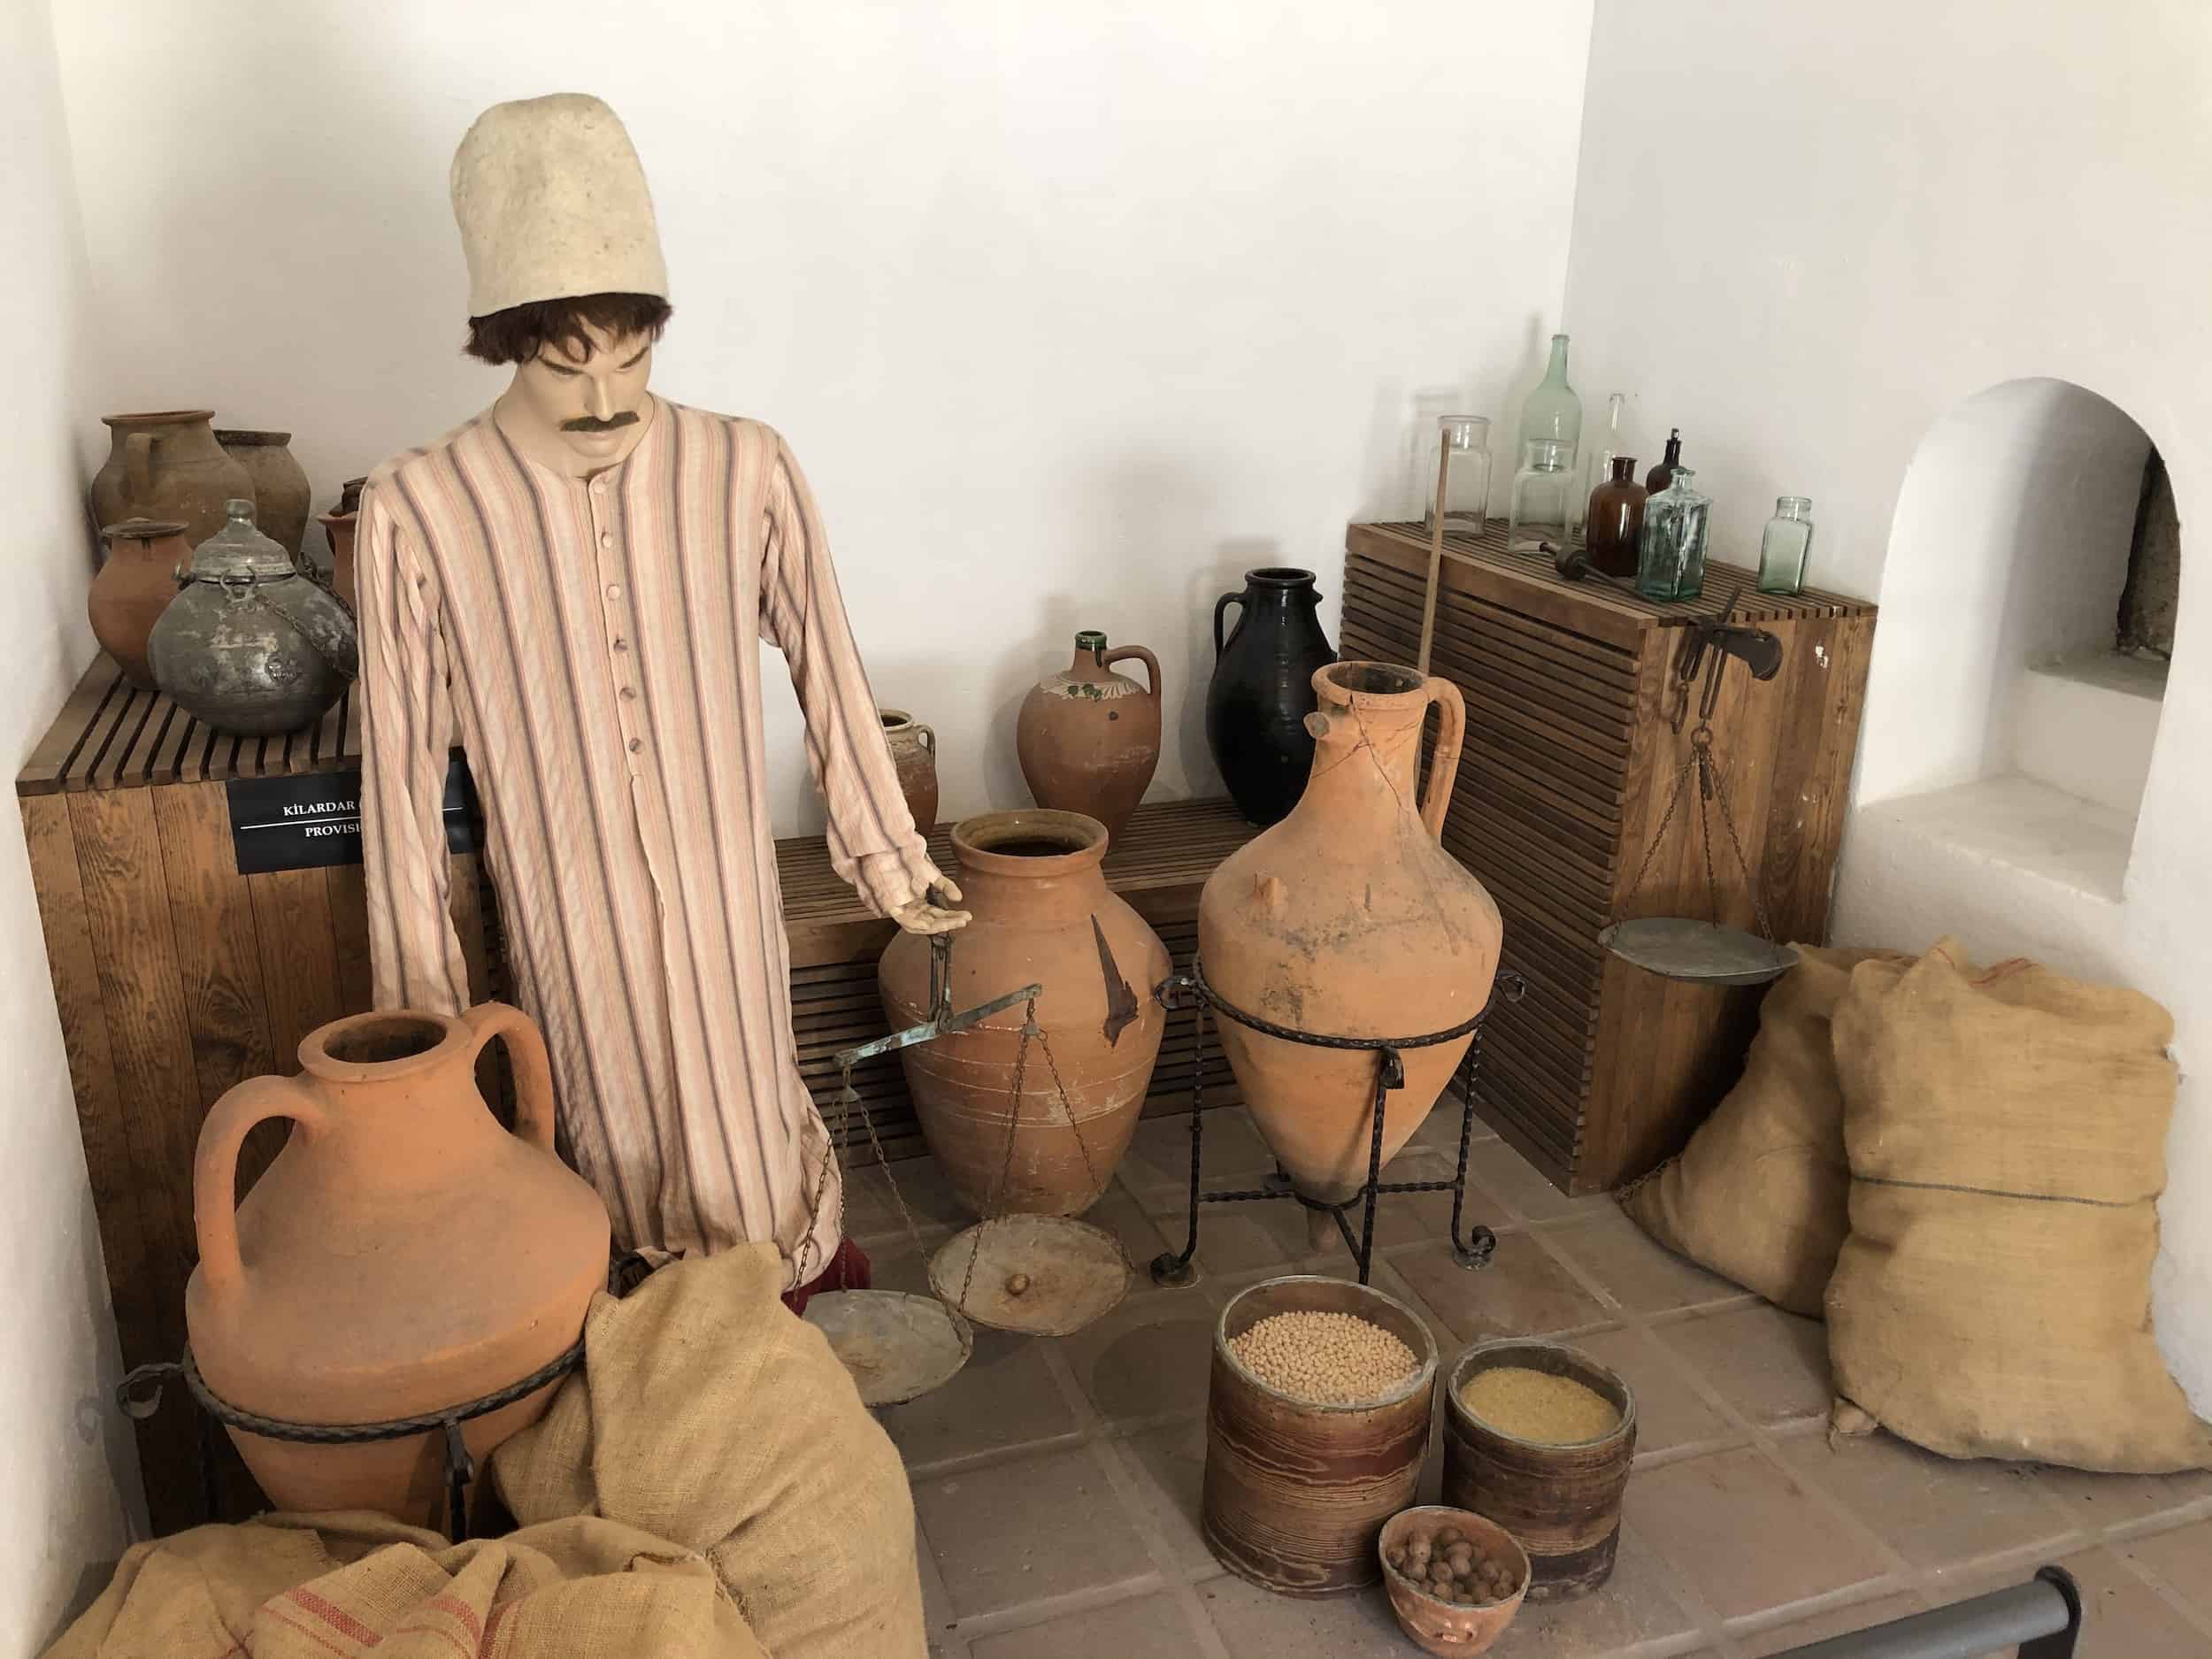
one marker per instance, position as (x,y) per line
(1670,562)
(1782,549)
(1552,413)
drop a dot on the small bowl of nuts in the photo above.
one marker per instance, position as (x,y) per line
(1456,1579)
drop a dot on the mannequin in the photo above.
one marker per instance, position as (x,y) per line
(572,584)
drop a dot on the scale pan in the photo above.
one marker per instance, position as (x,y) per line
(1039,1275)
(896,1347)
(1704,953)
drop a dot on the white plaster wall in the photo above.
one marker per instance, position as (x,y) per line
(68,1468)
(2017,512)
(1805,233)
(1073,313)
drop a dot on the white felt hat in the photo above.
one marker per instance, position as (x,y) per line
(552,204)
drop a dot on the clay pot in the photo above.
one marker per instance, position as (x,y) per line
(404,1254)
(1089,739)
(1349,918)
(168,465)
(1042,914)
(914,752)
(1262,691)
(1296,1494)
(281,496)
(134,586)
(250,646)
(1436,1626)
(1563,1502)
(339,526)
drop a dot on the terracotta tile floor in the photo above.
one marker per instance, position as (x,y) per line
(1057,1481)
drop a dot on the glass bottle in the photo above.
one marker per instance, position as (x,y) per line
(1552,413)
(1670,559)
(1467,490)
(1610,440)
(1661,476)
(1616,520)
(1543,495)
(1782,549)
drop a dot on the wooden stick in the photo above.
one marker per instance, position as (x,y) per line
(1436,548)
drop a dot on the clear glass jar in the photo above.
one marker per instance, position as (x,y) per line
(1466,503)
(1783,548)
(1543,498)
(1607,441)
(1552,413)
(1670,562)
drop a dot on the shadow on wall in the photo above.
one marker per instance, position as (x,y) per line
(2009,544)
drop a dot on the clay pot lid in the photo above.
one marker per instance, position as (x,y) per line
(1031,841)
(251,439)
(158,418)
(375,1048)
(141,529)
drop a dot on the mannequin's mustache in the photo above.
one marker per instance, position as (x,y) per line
(592,423)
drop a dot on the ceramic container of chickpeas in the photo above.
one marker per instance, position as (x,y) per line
(1297,1488)
(1561,1498)
(1455,1578)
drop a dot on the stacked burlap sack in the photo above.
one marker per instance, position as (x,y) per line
(709,1484)
(1960,1167)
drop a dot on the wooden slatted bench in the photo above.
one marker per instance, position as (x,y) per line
(176,976)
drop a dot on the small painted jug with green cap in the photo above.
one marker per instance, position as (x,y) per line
(1088,738)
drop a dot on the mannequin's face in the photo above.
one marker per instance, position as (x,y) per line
(583,413)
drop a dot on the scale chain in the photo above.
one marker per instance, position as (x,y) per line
(1006,1168)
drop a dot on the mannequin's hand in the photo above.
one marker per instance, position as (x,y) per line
(933,914)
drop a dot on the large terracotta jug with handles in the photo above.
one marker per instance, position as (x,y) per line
(166,464)
(1349,918)
(404,1253)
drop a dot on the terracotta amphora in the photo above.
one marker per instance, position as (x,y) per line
(281,495)
(339,527)
(1349,918)
(134,586)
(1089,738)
(1043,915)
(914,752)
(403,1253)
(167,465)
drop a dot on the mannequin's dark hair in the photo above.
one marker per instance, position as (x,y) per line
(521,332)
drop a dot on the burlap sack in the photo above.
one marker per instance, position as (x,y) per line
(712,1416)
(1761,1193)
(311,1587)
(2006,1135)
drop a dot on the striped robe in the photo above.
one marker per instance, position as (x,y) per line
(594,645)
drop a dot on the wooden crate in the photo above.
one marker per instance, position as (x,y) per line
(176,977)
(1571,757)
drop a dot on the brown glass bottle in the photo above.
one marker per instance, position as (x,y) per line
(1662,474)
(1616,520)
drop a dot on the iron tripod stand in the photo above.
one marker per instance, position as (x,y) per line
(1190,990)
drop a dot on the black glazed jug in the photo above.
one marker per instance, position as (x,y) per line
(1262,691)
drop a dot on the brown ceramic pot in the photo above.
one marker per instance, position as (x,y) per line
(1043,915)
(134,586)
(914,752)
(168,465)
(402,1255)
(1349,918)
(339,526)
(282,497)
(1089,738)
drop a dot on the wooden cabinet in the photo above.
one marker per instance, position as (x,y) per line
(176,976)
(1572,754)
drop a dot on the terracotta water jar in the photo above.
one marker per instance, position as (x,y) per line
(281,496)
(167,465)
(338,524)
(402,1254)
(1042,914)
(914,753)
(1349,918)
(1089,738)
(134,586)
